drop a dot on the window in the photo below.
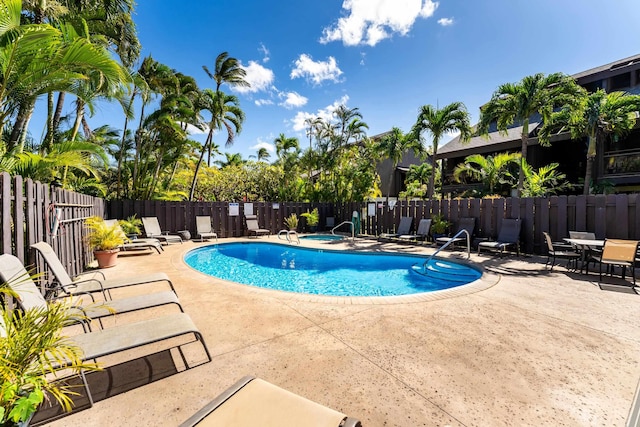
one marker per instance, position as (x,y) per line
(621,81)
(594,86)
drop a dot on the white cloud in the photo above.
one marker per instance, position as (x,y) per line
(261,102)
(265,52)
(259,77)
(445,22)
(370,21)
(317,72)
(326,114)
(192,130)
(262,144)
(292,100)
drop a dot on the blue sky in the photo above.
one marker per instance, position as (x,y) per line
(385,57)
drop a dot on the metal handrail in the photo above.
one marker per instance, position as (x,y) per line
(353,227)
(287,235)
(449,242)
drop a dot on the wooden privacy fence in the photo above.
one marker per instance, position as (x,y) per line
(31,212)
(613,216)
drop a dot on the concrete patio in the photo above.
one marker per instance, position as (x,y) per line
(531,348)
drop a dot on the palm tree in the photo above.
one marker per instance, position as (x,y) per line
(230,160)
(490,170)
(437,122)
(225,114)
(227,70)
(546,180)
(393,146)
(263,154)
(516,103)
(596,115)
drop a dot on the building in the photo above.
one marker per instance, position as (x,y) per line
(617,165)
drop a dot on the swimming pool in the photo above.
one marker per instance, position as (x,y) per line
(326,272)
(322,237)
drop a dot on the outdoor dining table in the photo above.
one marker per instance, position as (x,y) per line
(584,245)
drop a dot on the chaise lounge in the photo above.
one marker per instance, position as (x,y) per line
(84,284)
(255,402)
(29,296)
(204,229)
(152,229)
(509,236)
(253,228)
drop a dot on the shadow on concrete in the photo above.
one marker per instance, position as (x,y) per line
(110,382)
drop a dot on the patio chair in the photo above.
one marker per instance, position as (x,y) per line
(256,402)
(404,228)
(29,296)
(621,253)
(84,284)
(421,234)
(152,229)
(555,251)
(136,244)
(253,228)
(509,236)
(468,224)
(204,229)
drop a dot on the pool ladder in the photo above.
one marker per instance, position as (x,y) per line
(353,228)
(288,235)
(449,242)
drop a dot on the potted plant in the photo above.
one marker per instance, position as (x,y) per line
(25,376)
(313,218)
(439,226)
(104,240)
(291,222)
(131,226)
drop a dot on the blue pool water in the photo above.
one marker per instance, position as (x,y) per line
(322,237)
(326,272)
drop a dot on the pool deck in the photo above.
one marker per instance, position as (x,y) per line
(523,347)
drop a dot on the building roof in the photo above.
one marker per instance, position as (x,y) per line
(612,66)
(484,144)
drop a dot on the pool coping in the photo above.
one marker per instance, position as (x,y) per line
(486,281)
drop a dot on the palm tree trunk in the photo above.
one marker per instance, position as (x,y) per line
(591,154)
(138,141)
(525,143)
(195,173)
(19,126)
(78,121)
(121,155)
(58,114)
(48,138)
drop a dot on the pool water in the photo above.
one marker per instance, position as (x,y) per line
(322,237)
(326,272)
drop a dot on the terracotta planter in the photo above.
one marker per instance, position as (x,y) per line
(106,259)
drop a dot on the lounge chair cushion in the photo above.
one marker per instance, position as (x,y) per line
(255,402)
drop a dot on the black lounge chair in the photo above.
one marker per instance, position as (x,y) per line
(404,228)
(509,236)
(468,224)
(255,402)
(421,234)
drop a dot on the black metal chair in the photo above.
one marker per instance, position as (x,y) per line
(556,251)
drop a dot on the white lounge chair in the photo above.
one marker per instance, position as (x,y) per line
(29,296)
(137,243)
(254,228)
(85,284)
(204,229)
(255,402)
(152,229)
